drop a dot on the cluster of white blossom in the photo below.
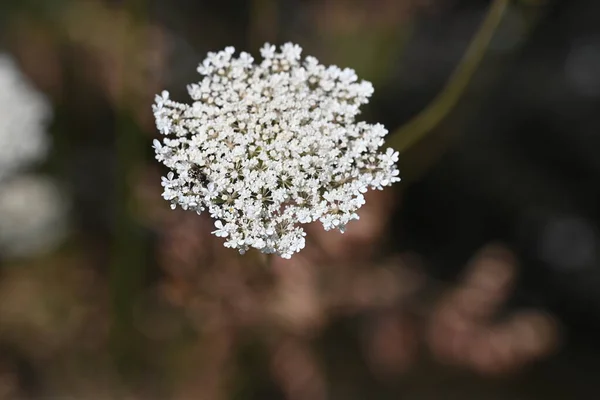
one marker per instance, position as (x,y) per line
(267,147)
(24,116)
(33,216)
(33,212)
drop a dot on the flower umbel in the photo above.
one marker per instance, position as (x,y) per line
(24,117)
(267,147)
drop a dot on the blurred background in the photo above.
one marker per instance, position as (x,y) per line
(476,277)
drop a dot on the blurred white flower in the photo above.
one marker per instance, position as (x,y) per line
(24,116)
(33,216)
(266,147)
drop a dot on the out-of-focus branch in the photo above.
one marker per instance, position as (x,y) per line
(264,20)
(414,130)
(127,269)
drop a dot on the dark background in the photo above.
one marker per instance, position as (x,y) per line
(515,162)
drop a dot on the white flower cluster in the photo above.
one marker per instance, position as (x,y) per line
(24,115)
(267,147)
(33,212)
(33,216)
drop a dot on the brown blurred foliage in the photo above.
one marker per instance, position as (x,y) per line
(292,302)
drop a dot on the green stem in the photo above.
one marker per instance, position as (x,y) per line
(128,263)
(418,127)
(264,23)
(127,272)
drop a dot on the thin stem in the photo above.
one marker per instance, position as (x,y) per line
(259,259)
(264,22)
(418,127)
(128,265)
